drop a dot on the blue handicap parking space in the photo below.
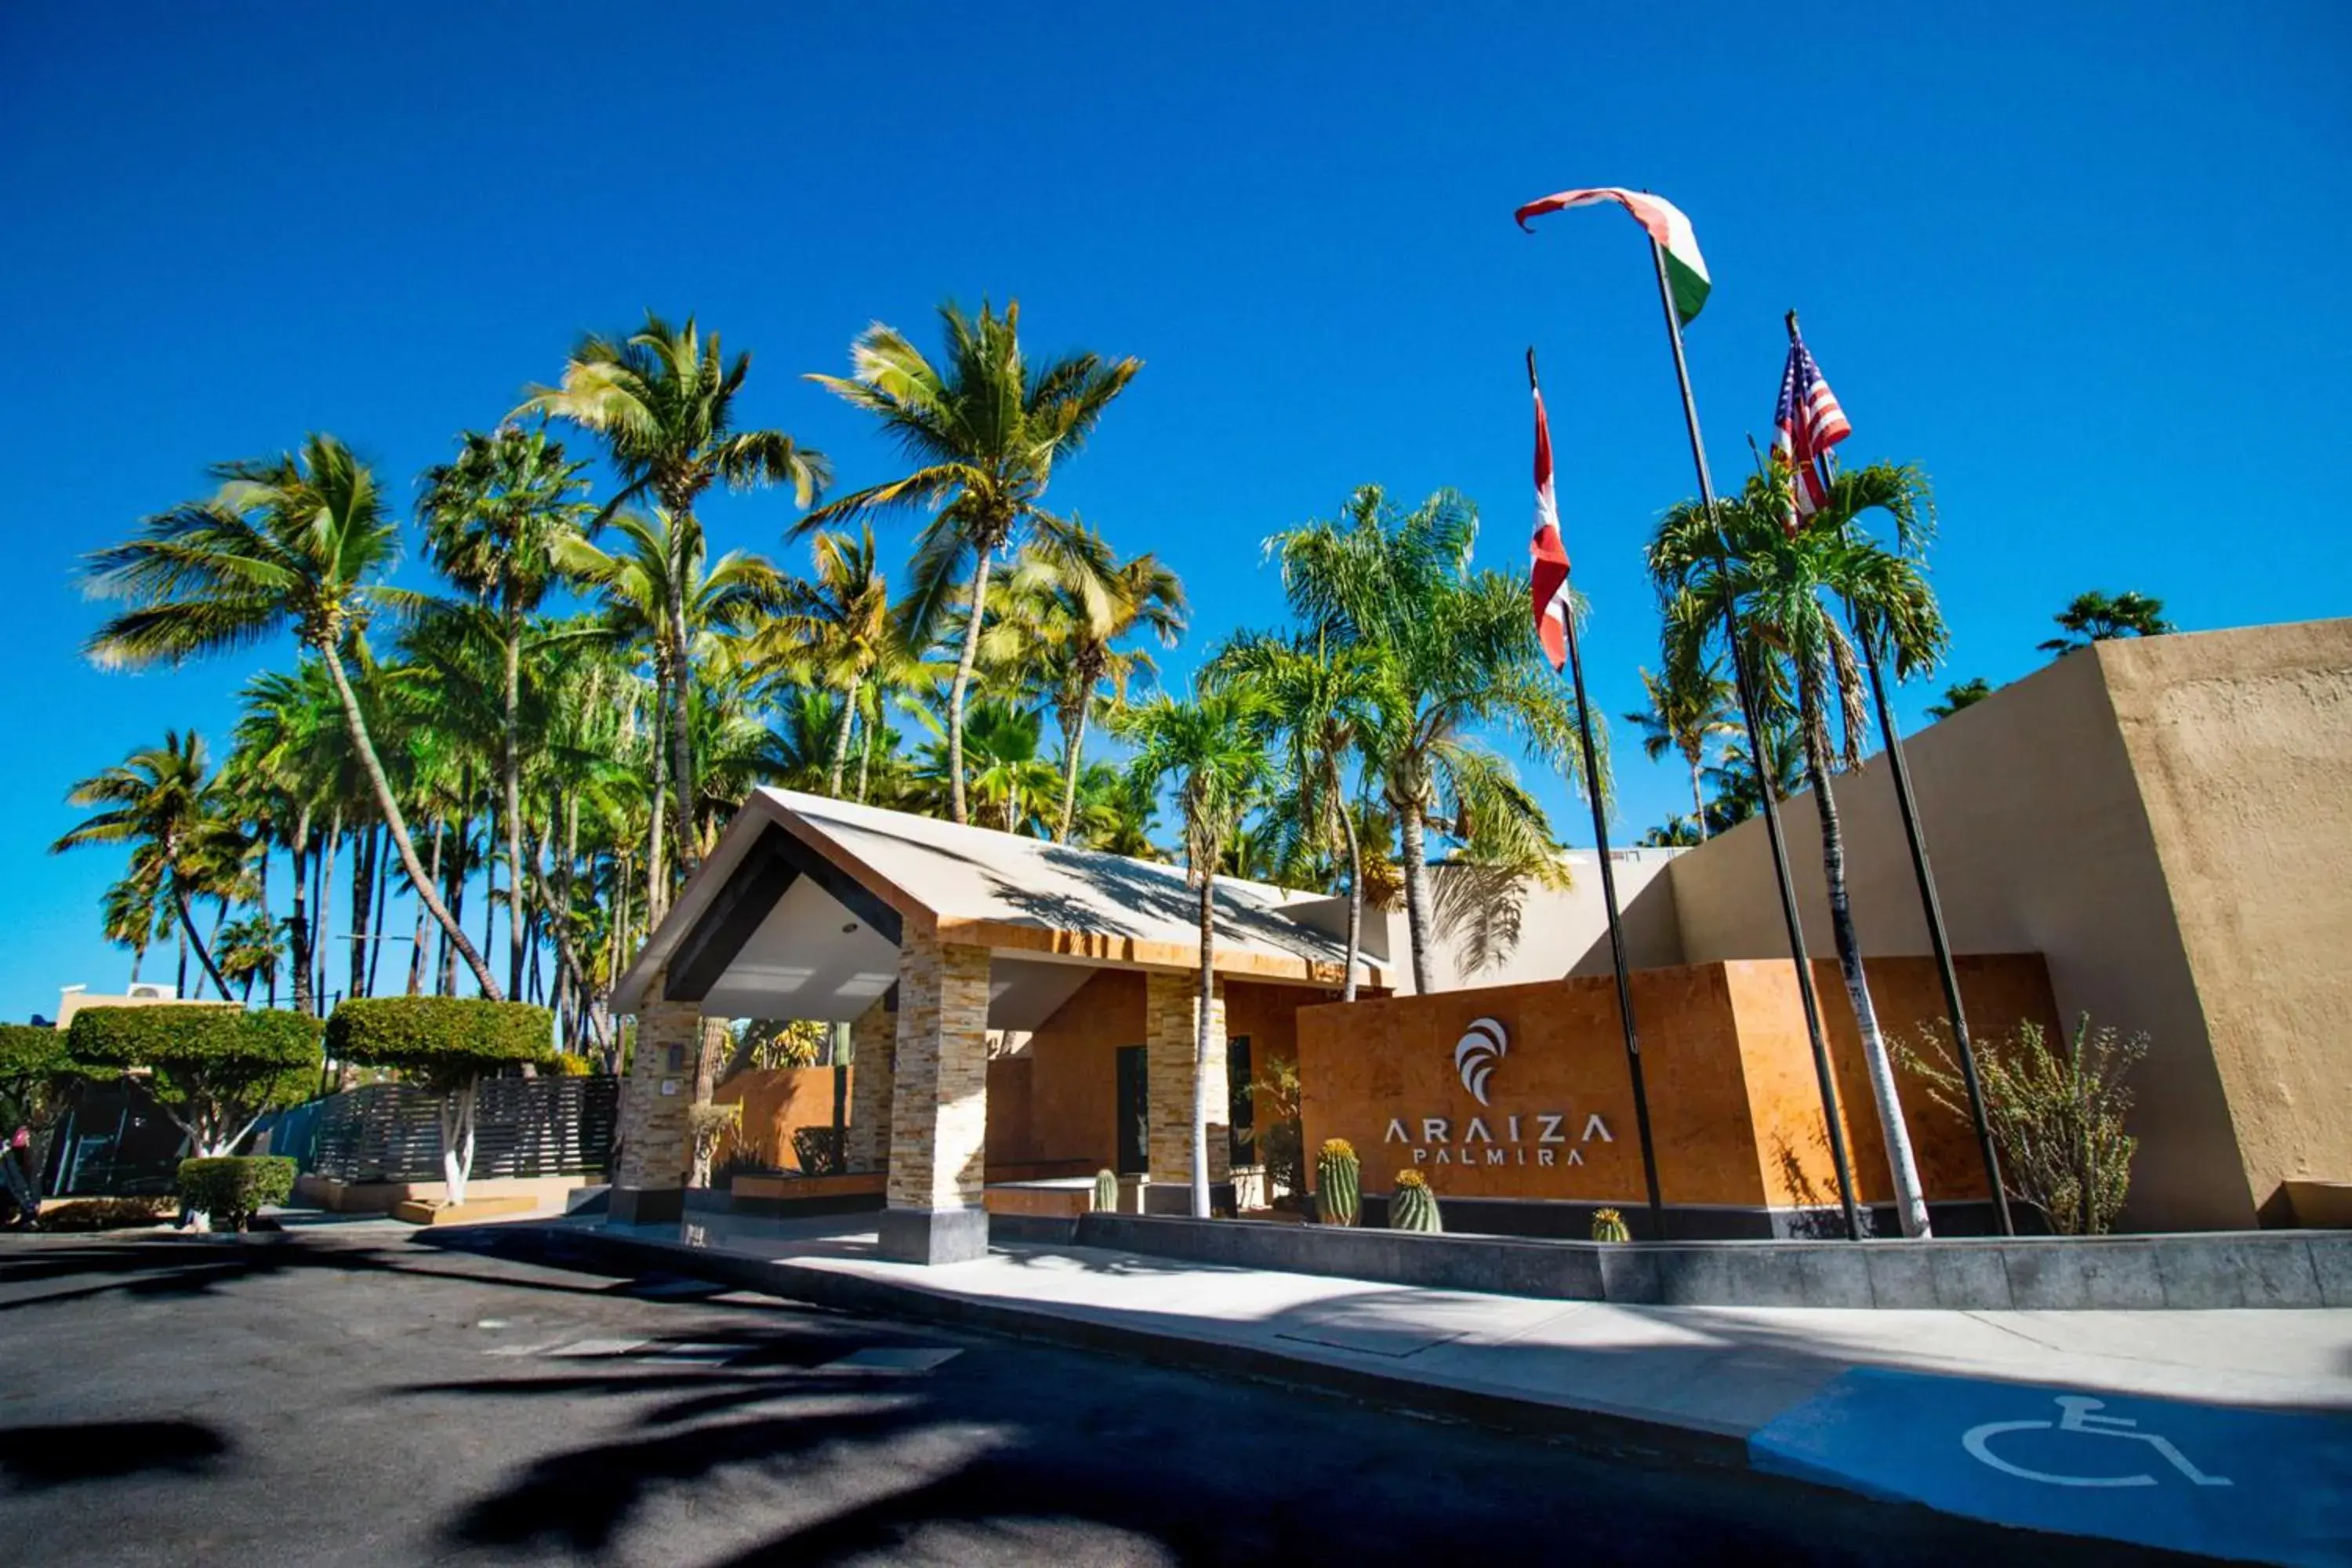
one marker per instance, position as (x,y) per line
(2259,1485)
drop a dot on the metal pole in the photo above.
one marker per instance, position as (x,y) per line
(1763,761)
(1938,937)
(1609,899)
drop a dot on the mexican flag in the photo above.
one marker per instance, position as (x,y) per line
(1686,278)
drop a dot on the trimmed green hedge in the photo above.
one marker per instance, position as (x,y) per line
(189,1037)
(441,1039)
(231,1189)
(34,1050)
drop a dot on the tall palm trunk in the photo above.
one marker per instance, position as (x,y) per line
(964,663)
(1355,875)
(1910,1203)
(1204,1017)
(382,918)
(681,717)
(322,942)
(268,927)
(510,767)
(1074,741)
(841,740)
(364,857)
(416,941)
(1416,892)
(188,926)
(298,924)
(657,872)
(1698,801)
(461,840)
(865,754)
(397,825)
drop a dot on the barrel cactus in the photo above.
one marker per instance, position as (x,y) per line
(1106,1192)
(1412,1207)
(1339,1182)
(1608,1225)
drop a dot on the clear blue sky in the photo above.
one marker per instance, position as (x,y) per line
(2085,265)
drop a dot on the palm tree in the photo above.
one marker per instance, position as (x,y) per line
(1738,784)
(837,629)
(1453,653)
(1067,604)
(134,910)
(1965,694)
(1688,710)
(660,595)
(291,741)
(492,519)
(1320,698)
(160,801)
(249,951)
(1117,811)
(1214,744)
(984,429)
(2096,616)
(664,402)
(1788,592)
(287,540)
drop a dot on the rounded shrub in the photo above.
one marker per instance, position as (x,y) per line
(35,1066)
(232,1189)
(214,1070)
(186,1037)
(440,1040)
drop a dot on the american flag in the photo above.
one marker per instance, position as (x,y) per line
(1806,424)
(1549,556)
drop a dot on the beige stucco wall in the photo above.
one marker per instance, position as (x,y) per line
(2241,743)
(2167,822)
(1562,930)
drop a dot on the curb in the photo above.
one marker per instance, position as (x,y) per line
(1613,1431)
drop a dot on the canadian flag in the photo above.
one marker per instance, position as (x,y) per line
(1549,557)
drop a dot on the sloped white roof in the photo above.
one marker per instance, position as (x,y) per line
(1019,895)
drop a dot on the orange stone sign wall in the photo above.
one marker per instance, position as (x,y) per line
(1735,1107)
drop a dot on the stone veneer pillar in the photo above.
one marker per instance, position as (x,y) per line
(649,1185)
(938,1105)
(1172,1015)
(873,1042)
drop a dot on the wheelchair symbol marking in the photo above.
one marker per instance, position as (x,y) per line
(2075,1417)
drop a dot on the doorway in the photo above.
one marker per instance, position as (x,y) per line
(1132,1103)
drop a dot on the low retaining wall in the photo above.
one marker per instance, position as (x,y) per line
(2234,1269)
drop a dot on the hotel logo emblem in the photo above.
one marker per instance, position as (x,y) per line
(1482,1044)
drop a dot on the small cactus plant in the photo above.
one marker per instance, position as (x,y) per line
(1106,1192)
(1608,1225)
(1339,1182)
(1412,1207)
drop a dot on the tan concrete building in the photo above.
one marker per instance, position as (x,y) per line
(2165,824)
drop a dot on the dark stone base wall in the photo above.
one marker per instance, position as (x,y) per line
(2234,1268)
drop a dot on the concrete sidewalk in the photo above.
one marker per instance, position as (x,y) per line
(1798,1390)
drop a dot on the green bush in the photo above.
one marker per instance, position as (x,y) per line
(232,1189)
(36,1067)
(214,1069)
(186,1036)
(440,1040)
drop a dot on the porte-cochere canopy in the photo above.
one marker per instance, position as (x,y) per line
(800,910)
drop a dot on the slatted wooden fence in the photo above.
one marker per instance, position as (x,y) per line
(522,1127)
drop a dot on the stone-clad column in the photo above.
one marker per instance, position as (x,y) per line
(1171,1013)
(873,1042)
(649,1185)
(939,1104)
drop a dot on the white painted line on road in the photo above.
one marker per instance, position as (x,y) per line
(596,1348)
(713,1353)
(893,1361)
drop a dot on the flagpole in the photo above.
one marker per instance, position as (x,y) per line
(1763,761)
(1609,902)
(1938,937)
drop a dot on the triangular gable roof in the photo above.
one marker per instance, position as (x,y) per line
(1014,894)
